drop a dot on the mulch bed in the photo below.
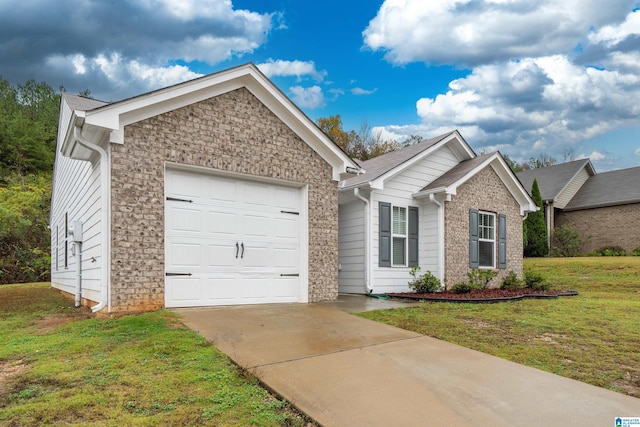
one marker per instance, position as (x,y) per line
(484,295)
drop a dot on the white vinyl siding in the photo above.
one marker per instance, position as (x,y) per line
(398,191)
(351,240)
(76,192)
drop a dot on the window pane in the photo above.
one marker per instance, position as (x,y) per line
(399,220)
(486,254)
(487,226)
(399,250)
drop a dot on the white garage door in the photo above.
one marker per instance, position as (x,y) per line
(231,241)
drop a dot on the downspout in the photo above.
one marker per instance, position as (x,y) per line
(78,250)
(440,206)
(104,188)
(367,238)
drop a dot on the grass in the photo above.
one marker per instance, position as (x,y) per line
(61,366)
(593,337)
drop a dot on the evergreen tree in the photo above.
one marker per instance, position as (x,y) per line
(535,227)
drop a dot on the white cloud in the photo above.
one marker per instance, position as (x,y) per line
(280,67)
(359,91)
(120,72)
(311,97)
(149,34)
(614,34)
(532,104)
(637,151)
(476,32)
(595,156)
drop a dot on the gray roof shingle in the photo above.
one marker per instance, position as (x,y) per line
(617,187)
(457,172)
(380,165)
(552,179)
(81,103)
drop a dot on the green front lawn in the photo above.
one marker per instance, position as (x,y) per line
(61,367)
(593,337)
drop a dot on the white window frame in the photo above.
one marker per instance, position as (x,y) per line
(485,239)
(404,236)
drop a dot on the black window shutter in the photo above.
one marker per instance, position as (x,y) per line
(384,247)
(413,236)
(474,245)
(502,241)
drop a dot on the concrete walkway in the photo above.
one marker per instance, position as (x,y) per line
(342,370)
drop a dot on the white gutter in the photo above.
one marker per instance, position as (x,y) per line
(367,239)
(440,206)
(78,251)
(104,188)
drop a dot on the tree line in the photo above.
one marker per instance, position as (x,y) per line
(28,128)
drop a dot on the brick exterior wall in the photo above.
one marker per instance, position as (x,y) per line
(613,225)
(484,192)
(232,132)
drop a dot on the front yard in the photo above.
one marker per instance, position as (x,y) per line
(60,366)
(593,337)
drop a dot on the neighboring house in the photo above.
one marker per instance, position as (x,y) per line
(558,184)
(434,204)
(603,206)
(215,191)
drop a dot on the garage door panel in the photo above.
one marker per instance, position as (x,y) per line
(186,184)
(286,228)
(284,287)
(256,225)
(223,190)
(286,259)
(185,255)
(221,256)
(221,290)
(223,223)
(287,198)
(185,290)
(255,256)
(185,219)
(201,239)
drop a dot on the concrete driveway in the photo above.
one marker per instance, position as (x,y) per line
(342,370)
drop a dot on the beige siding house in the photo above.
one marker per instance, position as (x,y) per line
(603,207)
(435,204)
(217,191)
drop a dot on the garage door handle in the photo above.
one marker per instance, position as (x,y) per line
(242,254)
(177,274)
(237,249)
(289,275)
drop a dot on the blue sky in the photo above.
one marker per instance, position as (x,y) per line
(555,76)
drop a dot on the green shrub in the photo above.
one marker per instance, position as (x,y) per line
(480,279)
(462,288)
(592,253)
(424,283)
(612,250)
(635,252)
(511,281)
(567,242)
(536,281)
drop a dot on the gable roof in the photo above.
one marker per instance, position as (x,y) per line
(383,167)
(553,179)
(617,187)
(449,182)
(110,119)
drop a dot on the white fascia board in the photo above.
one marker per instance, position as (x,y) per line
(514,186)
(462,149)
(120,114)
